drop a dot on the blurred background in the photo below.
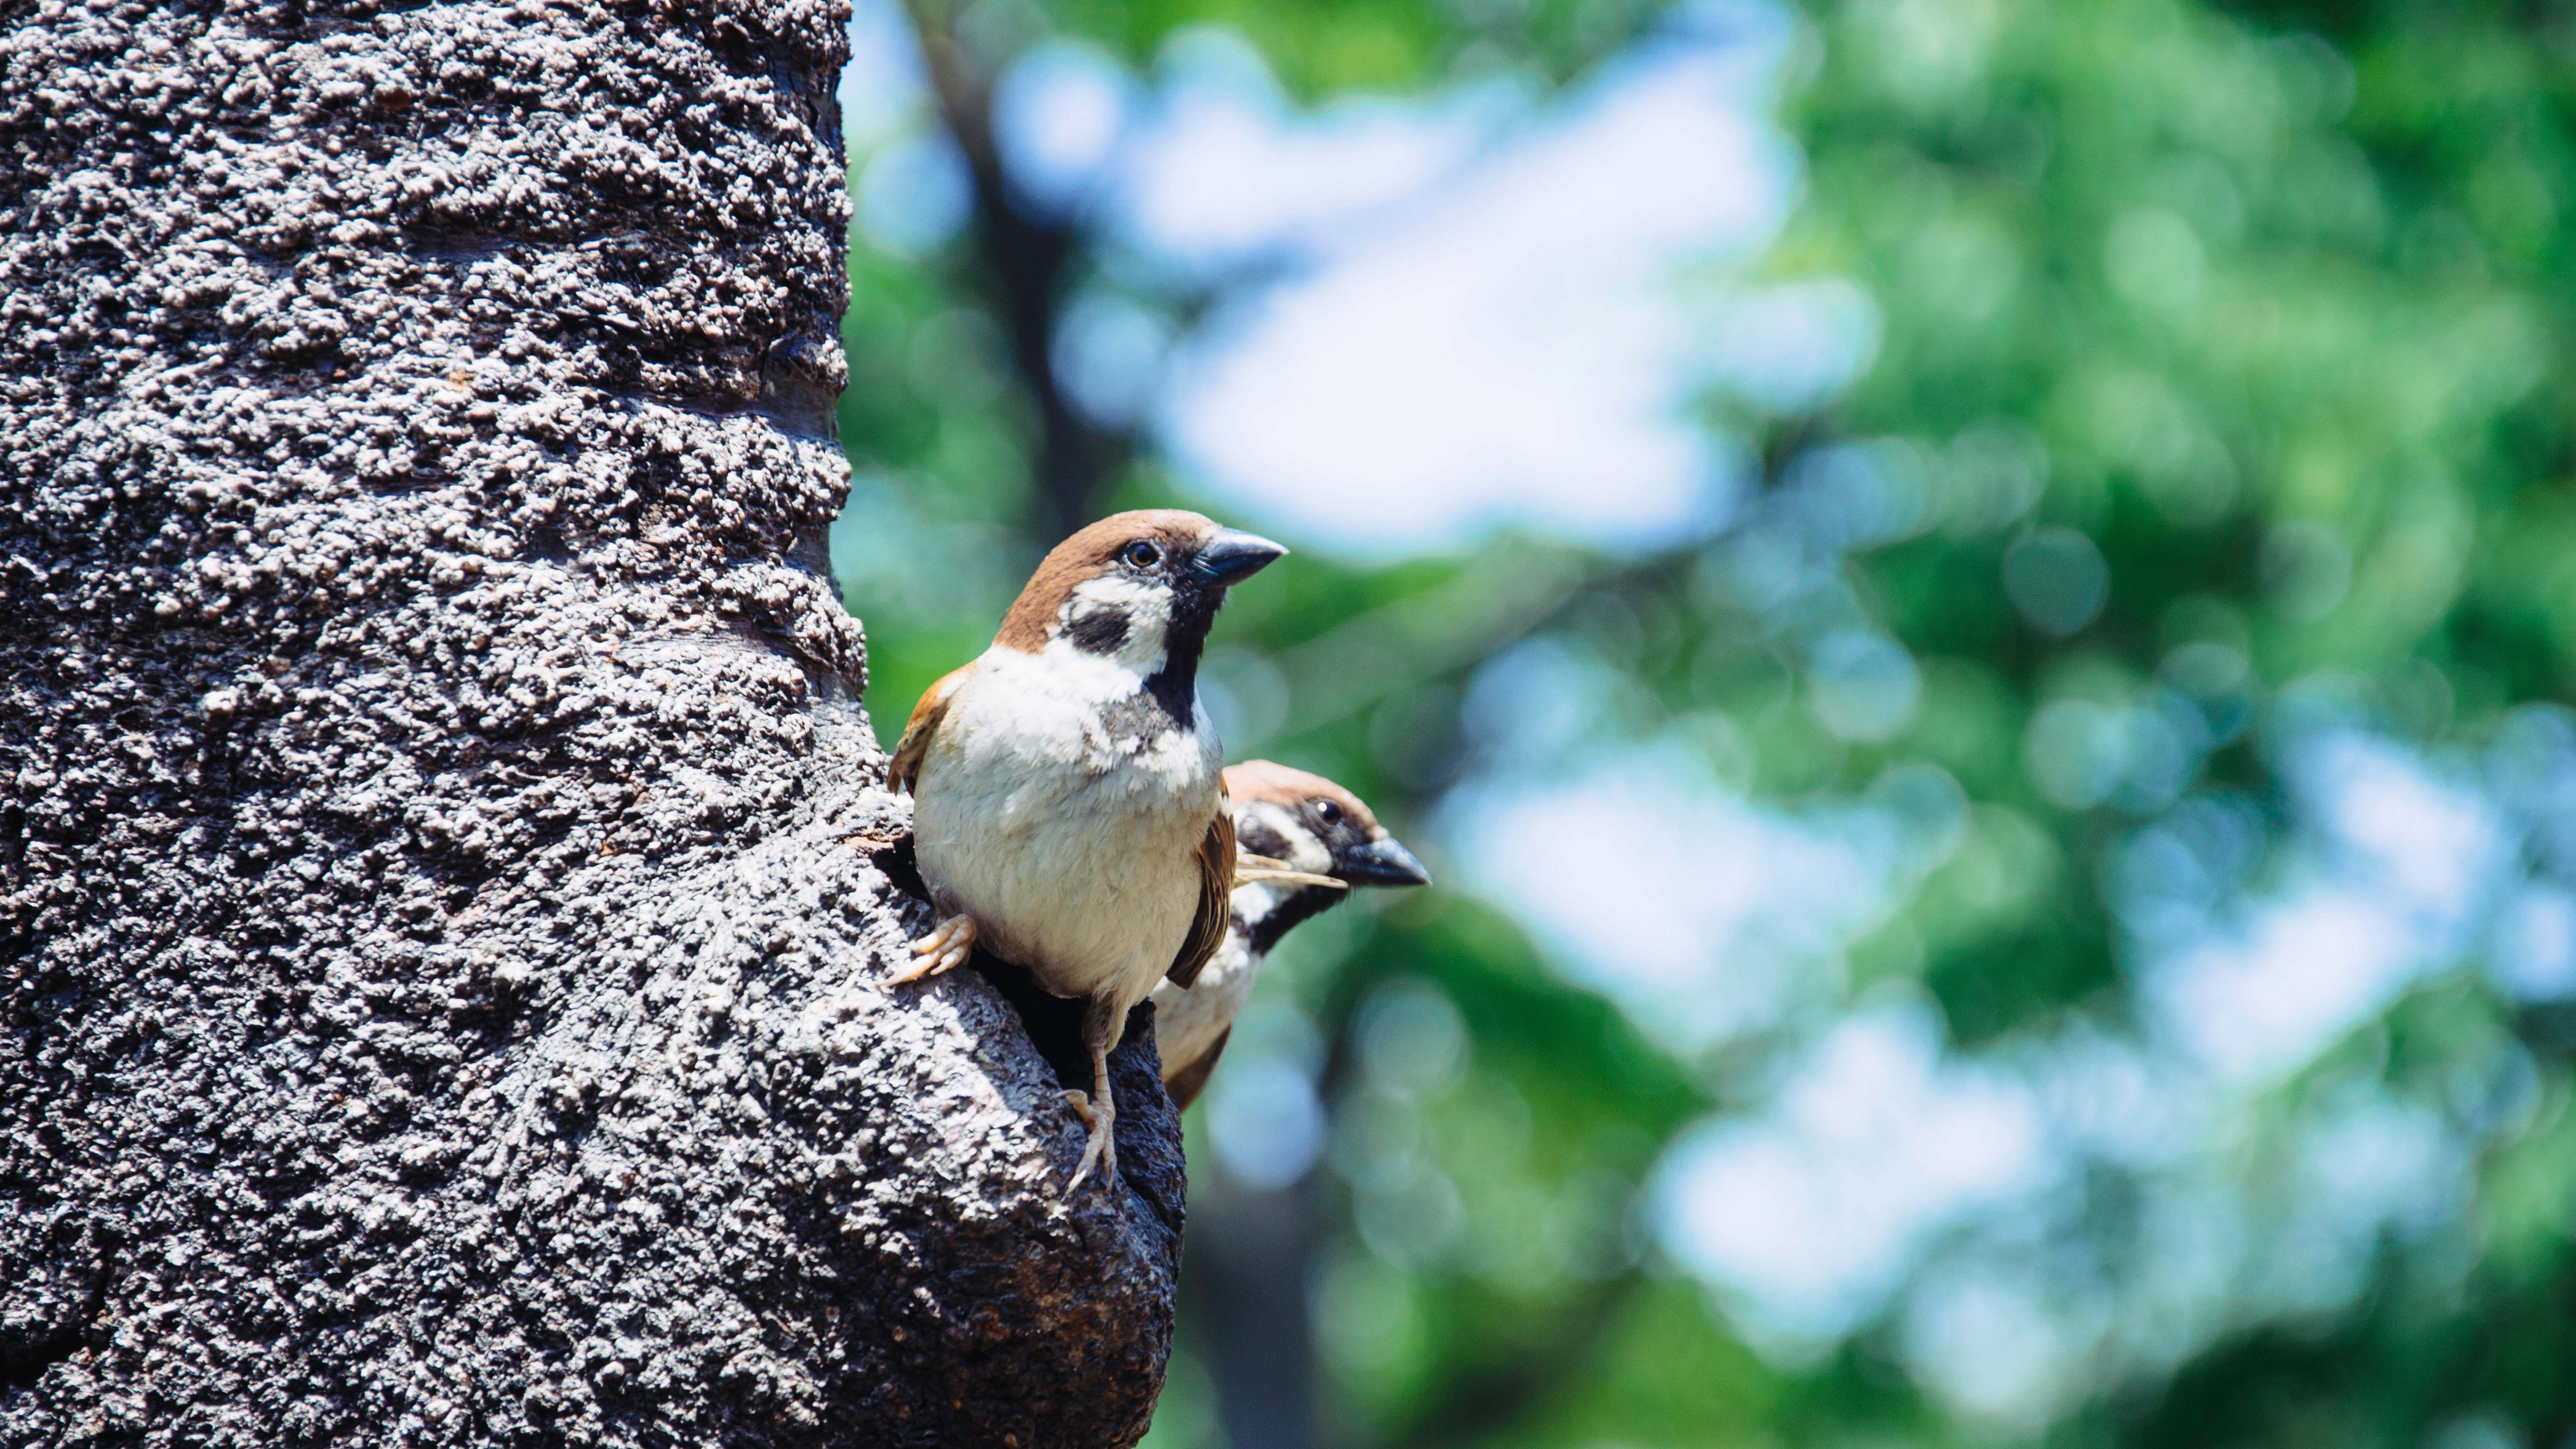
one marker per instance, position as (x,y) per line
(1968,600)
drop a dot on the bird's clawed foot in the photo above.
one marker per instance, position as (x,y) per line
(944,949)
(1101,1147)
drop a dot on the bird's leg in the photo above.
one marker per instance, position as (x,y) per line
(1101,1022)
(944,949)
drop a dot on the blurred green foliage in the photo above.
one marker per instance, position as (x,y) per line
(2268,304)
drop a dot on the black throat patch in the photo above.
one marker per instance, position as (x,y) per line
(1176,686)
(1294,909)
(1176,693)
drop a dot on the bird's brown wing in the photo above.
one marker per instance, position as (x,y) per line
(1216,893)
(1186,1084)
(904,770)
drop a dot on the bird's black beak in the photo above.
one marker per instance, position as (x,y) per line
(1232,556)
(1382,862)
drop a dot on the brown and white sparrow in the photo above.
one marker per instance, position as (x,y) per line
(1068,811)
(1304,840)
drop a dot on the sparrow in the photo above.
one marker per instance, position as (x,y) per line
(1302,841)
(1069,811)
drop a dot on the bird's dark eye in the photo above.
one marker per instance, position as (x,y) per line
(1141,554)
(1328,812)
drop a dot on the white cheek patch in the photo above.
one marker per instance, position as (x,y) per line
(1117,617)
(1270,825)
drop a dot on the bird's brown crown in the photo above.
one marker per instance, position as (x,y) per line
(1291,788)
(1085,555)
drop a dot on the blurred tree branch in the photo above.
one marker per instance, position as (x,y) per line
(1507,1384)
(1027,260)
(1511,1377)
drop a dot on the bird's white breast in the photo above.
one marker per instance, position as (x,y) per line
(1188,1020)
(1063,810)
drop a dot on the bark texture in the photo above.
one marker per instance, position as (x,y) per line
(443,892)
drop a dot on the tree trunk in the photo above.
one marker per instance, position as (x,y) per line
(1250,1275)
(447,888)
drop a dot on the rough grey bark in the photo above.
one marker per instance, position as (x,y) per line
(445,891)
